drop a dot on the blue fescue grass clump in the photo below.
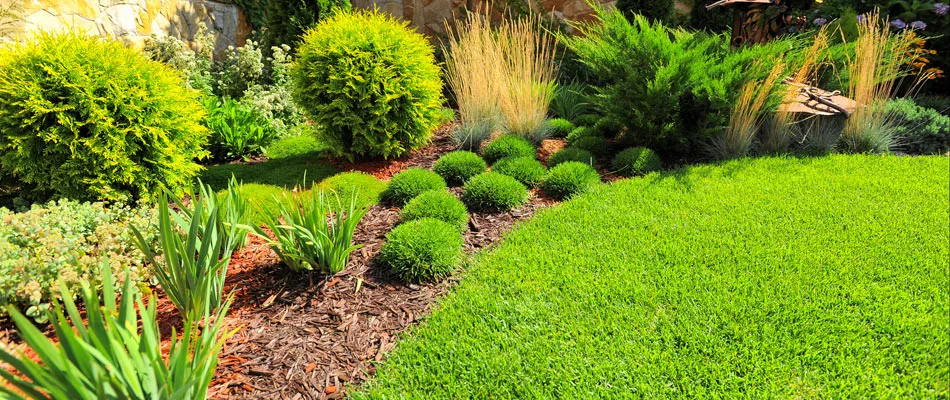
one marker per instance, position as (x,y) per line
(438,204)
(422,250)
(755,278)
(492,191)
(526,170)
(456,167)
(635,161)
(570,154)
(559,127)
(569,179)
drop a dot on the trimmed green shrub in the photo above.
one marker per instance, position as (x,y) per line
(596,145)
(422,250)
(456,167)
(526,170)
(66,242)
(365,187)
(608,127)
(918,130)
(492,191)
(410,183)
(569,179)
(570,154)
(90,119)
(438,204)
(580,132)
(507,146)
(560,127)
(287,20)
(370,82)
(635,161)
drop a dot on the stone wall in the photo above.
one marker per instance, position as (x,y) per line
(132,21)
(430,16)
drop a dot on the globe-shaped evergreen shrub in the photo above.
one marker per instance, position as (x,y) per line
(596,145)
(456,167)
(507,146)
(370,82)
(422,250)
(90,119)
(492,191)
(580,132)
(569,179)
(526,170)
(570,154)
(410,183)
(559,127)
(635,161)
(438,204)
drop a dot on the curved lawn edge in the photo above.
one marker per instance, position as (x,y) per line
(773,277)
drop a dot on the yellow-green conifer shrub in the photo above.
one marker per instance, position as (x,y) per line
(370,82)
(90,119)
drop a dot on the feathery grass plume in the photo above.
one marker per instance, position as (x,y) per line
(473,70)
(873,72)
(528,74)
(780,129)
(746,116)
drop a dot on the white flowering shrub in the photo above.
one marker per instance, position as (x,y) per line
(65,241)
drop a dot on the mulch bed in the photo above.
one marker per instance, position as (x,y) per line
(310,336)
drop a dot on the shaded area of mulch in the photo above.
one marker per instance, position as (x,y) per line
(312,337)
(423,158)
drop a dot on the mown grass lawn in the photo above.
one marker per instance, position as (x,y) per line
(824,277)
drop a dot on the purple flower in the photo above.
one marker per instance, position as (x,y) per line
(941,8)
(898,24)
(918,25)
(862,19)
(820,21)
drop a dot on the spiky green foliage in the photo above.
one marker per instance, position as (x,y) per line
(507,146)
(370,82)
(526,170)
(635,161)
(237,131)
(456,167)
(410,183)
(568,179)
(313,231)
(422,250)
(570,101)
(107,357)
(705,282)
(492,191)
(560,127)
(195,248)
(438,204)
(90,119)
(672,89)
(580,132)
(570,154)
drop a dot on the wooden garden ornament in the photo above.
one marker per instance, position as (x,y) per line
(755,21)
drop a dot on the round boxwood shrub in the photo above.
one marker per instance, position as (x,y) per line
(636,161)
(560,127)
(570,154)
(422,250)
(580,132)
(526,170)
(410,183)
(370,82)
(457,166)
(569,179)
(596,145)
(90,119)
(492,191)
(438,204)
(507,146)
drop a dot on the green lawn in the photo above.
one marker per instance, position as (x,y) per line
(763,278)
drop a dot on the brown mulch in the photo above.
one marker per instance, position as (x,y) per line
(309,336)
